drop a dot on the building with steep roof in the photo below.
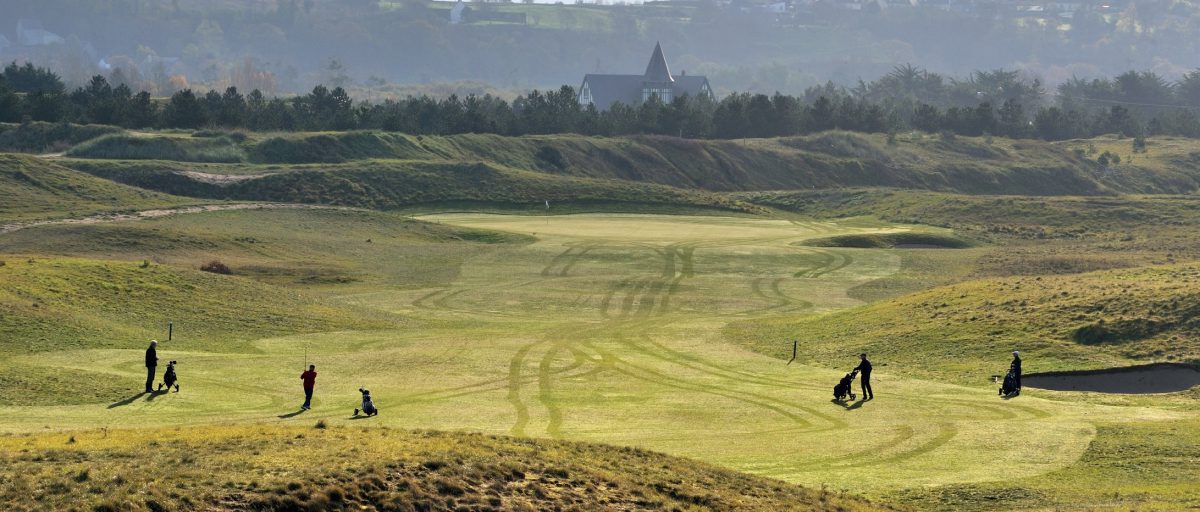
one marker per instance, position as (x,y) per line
(604,91)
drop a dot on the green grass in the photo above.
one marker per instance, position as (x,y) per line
(962,332)
(821,161)
(271,468)
(292,247)
(666,333)
(1136,464)
(604,328)
(31,188)
(112,304)
(177,148)
(39,137)
(393,184)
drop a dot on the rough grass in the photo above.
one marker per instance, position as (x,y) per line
(821,161)
(391,184)
(906,239)
(40,137)
(116,304)
(1028,235)
(31,188)
(334,247)
(177,148)
(272,468)
(1138,465)
(963,332)
(51,305)
(1027,217)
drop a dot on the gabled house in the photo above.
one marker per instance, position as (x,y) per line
(604,91)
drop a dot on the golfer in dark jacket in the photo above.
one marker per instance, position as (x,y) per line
(151,364)
(864,370)
(1015,368)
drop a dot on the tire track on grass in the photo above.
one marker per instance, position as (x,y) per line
(699,368)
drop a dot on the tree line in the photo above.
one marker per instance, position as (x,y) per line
(34,94)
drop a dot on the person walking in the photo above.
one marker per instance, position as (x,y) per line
(310,381)
(864,370)
(1015,368)
(151,364)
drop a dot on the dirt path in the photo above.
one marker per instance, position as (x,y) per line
(162,212)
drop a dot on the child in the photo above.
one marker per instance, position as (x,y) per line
(169,378)
(368,406)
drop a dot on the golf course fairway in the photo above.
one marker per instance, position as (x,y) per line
(603,328)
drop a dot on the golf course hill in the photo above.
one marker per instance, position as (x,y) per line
(268,468)
(31,187)
(391,170)
(48,305)
(963,332)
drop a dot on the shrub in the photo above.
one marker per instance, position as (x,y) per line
(216,267)
(1139,144)
(321,424)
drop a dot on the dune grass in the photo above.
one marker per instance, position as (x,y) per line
(962,332)
(820,161)
(41,137)
(272,468)
(395,184)
(161,147)
(31,188)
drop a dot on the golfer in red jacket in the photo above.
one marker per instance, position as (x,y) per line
(310,380)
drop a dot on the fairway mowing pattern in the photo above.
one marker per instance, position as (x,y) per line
(607,329)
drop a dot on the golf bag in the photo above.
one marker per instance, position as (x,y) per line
(368,405)
(844,387)
(169,378)
(1009,387)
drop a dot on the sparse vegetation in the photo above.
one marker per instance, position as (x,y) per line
(216,267)
(384,469)
(34,189)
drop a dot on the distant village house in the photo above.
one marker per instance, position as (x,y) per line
(604,91)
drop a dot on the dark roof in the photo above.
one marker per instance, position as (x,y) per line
(657,70)
(608,90)
(689,85)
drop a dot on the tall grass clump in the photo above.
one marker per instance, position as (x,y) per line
(39,137)
(220,149)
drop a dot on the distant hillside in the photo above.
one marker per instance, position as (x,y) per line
(965,332)
(33,188)
(206,468)
(390,184)
(824,161)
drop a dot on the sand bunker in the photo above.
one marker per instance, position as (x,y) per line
(1152,378)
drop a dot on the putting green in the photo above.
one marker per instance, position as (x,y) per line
(607,329)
